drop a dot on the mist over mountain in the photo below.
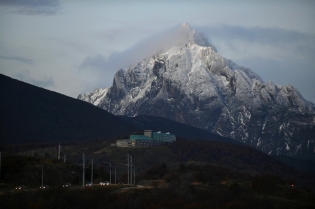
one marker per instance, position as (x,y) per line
(186,80)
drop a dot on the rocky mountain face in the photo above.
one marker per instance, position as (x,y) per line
(191,83)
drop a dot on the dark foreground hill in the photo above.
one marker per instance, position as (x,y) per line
(33,114)
(184,174)
(237,161)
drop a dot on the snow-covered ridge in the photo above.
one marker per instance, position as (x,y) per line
(94,97)
(191,83)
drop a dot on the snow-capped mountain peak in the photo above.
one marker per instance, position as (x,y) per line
(191,83)
(186,26)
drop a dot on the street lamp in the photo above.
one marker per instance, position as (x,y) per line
(42,175)
(0,165)
(128,166)
(92,173)
(115,173)
(83,166)
(110,172)
(134,174)
(130,182)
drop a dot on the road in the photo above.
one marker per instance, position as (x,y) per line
(126,188)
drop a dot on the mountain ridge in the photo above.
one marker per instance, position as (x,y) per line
(33,114)
(193,84)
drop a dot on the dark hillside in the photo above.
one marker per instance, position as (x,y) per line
(33,114)
(301,164)
(233,158)
(185,174)
(211,161)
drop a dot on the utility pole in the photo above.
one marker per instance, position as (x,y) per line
(92,173)
(59,151)
(0,165)
(115,173)
(110,172)
(134,174)
(128,167)
(83,165)
(42,176)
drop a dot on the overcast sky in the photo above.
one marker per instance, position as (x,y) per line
(73,47)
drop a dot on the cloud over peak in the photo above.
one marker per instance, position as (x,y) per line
(18,59)
(32,7)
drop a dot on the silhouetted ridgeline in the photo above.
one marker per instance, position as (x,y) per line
(33,114)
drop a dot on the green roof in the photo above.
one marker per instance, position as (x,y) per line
(141,137)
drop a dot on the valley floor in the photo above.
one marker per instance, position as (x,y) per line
(179,194)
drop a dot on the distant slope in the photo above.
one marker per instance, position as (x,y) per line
(301,164)
(146,122)
(33,114)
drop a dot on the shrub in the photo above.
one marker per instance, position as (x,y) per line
(266,184)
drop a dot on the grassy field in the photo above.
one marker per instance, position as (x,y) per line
(176,194)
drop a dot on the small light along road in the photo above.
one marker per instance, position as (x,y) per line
(126,188)
(120,188)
